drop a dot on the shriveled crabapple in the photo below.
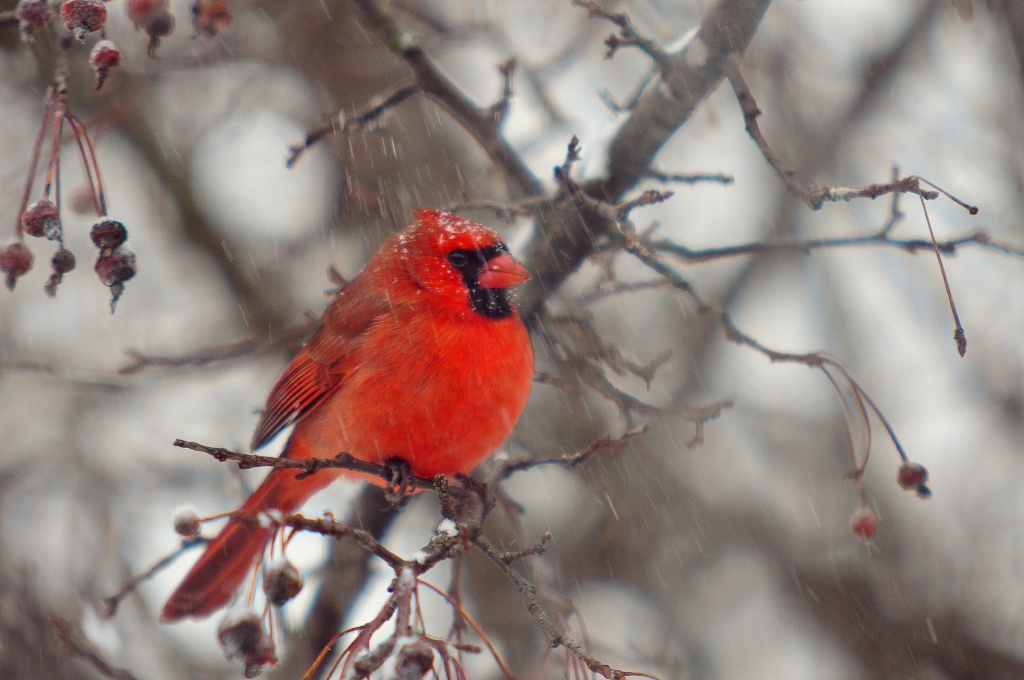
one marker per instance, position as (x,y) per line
(63,261)
(117,267)
(82,17)
(186,522)
(114,269)
(281,582)
(242,637)
(41,219)
(108,235)
(105,55)
(32,15)
(15,262)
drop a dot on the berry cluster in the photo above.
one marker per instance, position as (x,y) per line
(42,218)
(243,633)
(75,21)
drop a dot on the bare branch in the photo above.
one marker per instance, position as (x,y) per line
(342,461)
(499,111)
(975,238)
(690,75)
(629,35)
(113,602)
(327,526)
(554,636)
(810,193)
(79,647)
(687,178)
(256,346)
(359,120)
(615,444)
(478,122)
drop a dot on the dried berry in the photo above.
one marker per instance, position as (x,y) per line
(117,267)
(158,25)
(114,269)
(210,17)
(281,582)
(187,523)
(82,17)
(62,262)
(105,55)
(33,15)
(41,218)
(15,261)
(864,524)
(108,235)
(241,635)
(914,477)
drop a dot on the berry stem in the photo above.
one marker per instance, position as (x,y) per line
(53,167)
(92,167)
(33,166)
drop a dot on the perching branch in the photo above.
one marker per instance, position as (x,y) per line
(342,461)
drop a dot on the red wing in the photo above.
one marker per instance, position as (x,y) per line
(321,365)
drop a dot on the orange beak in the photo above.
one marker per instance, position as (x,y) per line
(503,271)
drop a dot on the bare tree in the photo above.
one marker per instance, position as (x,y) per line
(712,198)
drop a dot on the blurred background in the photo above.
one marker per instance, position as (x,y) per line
(731,559)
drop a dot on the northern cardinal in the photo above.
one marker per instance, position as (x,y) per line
(421,357)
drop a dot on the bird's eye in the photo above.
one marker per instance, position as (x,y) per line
(458,258)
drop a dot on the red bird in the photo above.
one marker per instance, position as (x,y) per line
(421,357)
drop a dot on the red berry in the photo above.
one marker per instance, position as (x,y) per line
(281,582)
(913,477)
(108,235)
(83,17)
(15,261)
(105,56)
(41,219)
(32,15)
(864,524)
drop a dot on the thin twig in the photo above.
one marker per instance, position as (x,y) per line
(578,458)
(981,239)
(249,347)
(689,178)
(628,35)
(554,636)
(78,646)
(958,333)
(499,111)
(371,114)
(326,526)
(113,602)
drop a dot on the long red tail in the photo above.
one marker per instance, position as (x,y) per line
(227,560)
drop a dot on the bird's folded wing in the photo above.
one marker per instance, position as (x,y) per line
(321,366)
